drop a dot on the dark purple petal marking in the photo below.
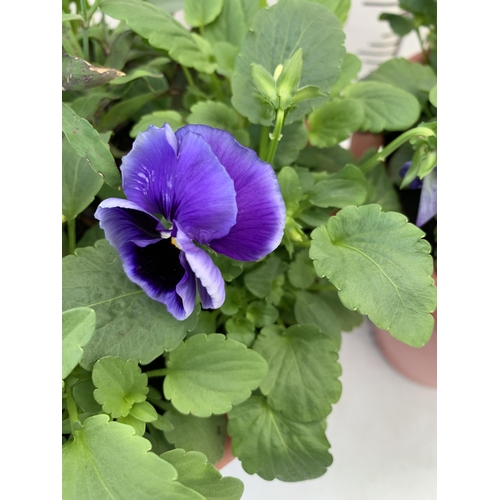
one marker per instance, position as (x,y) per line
(260,218)
(427,207)
(209,277)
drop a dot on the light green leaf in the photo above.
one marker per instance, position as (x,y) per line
(346,187)
(338,7)
(200,12)
(80,183)
(87,143)
(273,446)
(334,122)
(119,384)
(433,96)
(302,381)
(136,74)
(129,323)
(382,267)
(210,374)
(324,310)
(144,411)
(83,392)
(105,460)
(219,115)
(207,435)
(158,119)
(78,74)
(327,159)
(382,190)
(225,57)
(260,279)
(198,474)
(161,30)
(405,75)
(233,22)
(138,425)
(285,27)
(301,272)
(261,314)
(71,17)
(351,66)
(385,107)
(78,327)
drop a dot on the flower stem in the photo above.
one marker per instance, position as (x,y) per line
(393,146)
(162,372)
(71,235)
(85,35)
(189,77)
(72,408)
(217,87)
(276,135)
(421,42)
(264,142)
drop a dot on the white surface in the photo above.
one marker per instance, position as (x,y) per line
(382,434)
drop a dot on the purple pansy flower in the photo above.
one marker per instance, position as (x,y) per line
(427,207)
(211,191)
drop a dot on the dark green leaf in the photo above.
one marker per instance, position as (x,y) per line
(401,25)
(293,141)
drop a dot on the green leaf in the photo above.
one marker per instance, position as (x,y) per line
(381,190)
(78,74)
(233,23)
(210,374)
(119,384)
(334,122)
(285,27)
(80,183)
(405,75)
(338,7)
(83,392)
(129,323)
(261,314)
(351,66)
(301,272)
(144,411)
(207,435)
(273,446)
(327,160)
(381,266)
(401,25)
(433,96)
(105,460)
(161,30)
(138,425)
(260,279)
(324,310)
(71,17)
(201,476)
(346,187)
(219,115)
(158,119)
(385,107)
(225,57)
(136,74)
(293,141)
(78,327)
(291,189)
(302,381)
(87,143)
(200,12)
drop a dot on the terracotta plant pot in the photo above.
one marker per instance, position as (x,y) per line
(228,455)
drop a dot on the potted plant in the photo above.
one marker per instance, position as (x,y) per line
(214,247)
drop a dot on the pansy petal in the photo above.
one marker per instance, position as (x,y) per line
(204,199)
(148,169)
(261,210)
(210,281)
(186,288)
(124,221)
(427,207)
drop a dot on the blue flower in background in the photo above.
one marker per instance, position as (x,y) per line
(427,207)
(210,190)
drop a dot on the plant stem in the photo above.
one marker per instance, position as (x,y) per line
(421,42)
(93,8)
(189,77)
(276,135)
(162,372)
(217,87)
(72,408)
(71,235)
(85,35)
(264,142)
(393,146)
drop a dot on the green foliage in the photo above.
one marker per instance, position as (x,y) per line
(302,381)
(191,433)
(119,385)
(339,7)
(129,324)
(201,476)
(158,119)
(200,13)
(78,327)
(106,460)
(381,266)
(280,27)
(209,374)
(87,143)
(273,446)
